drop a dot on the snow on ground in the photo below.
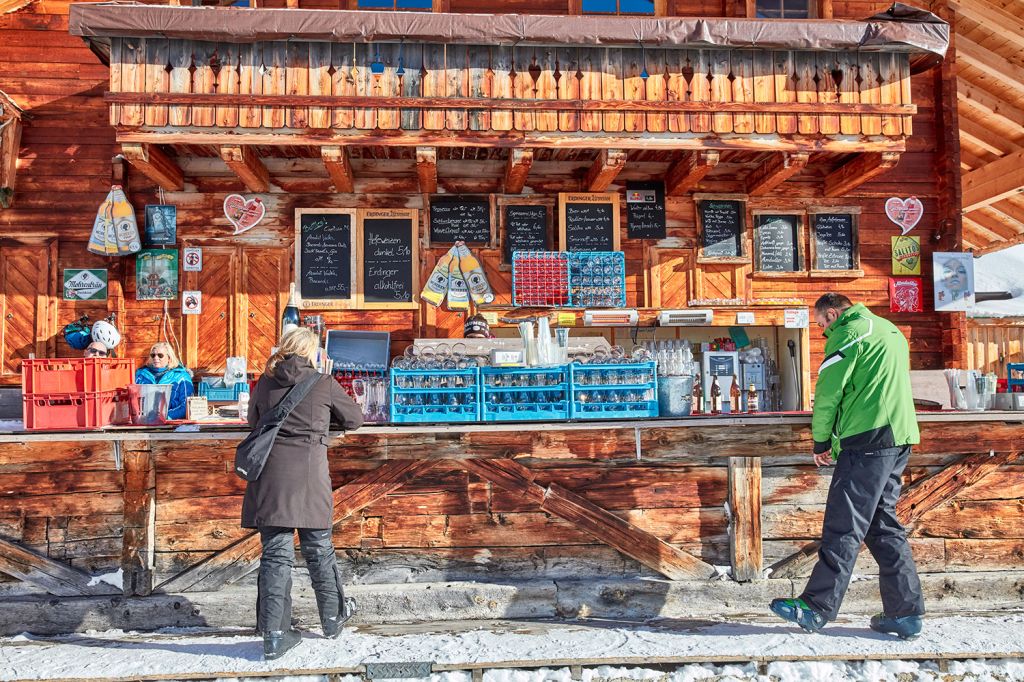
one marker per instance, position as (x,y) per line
(224,654)
(1000,271)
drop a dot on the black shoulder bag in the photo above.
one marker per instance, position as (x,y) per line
(251,454)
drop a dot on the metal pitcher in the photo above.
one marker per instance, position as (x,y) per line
(148,403)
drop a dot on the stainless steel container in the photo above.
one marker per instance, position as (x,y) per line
(675,396)
(147,403)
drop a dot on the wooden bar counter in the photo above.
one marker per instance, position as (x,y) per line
(512,502)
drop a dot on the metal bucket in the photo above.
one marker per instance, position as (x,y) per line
(148,403)
(675,396)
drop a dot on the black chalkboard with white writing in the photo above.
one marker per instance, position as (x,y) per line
(834,241)
(778,242)
(645,210)
(460,219)
(722,222)
(388,260)
(526,228)
(325,256)
(589,227)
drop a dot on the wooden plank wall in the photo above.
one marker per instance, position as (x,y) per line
(993,343)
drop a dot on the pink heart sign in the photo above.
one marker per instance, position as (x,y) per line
(904,212)
(243,214)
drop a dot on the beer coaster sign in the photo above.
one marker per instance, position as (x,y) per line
(906,295)
(192,259)
(906,255)
(906,213)
(191,302)
(85,285)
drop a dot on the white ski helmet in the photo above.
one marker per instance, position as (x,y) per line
(106,333)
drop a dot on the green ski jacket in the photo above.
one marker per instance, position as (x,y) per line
(862,400)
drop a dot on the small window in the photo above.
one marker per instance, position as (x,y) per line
(784,9)
(618,7)
(396,4)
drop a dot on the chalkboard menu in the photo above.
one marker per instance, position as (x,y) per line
(526,228)
(589,222)
(722,226)
(778,242)
(645,210)
(389,257)
(323,256)
(460,219)
(835,241)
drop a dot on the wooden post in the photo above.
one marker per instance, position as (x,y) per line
(139,543)
(745,554)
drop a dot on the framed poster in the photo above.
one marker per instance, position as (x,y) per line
(85,284)
(161,225)
(906,255)
(156,275)
(953,276)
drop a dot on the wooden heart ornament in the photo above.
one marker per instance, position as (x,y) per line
(906,213)
(243,214)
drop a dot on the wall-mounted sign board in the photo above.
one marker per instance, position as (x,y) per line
(835,247)
(460,219)
(525,226)
(778,242)
(645,210)
(389,267)
(588,221)
(325,257)
(722,223)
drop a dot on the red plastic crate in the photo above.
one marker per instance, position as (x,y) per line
(75,375)
(71,411)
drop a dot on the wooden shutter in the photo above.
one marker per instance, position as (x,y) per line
(210,336)
(25,302)
(265,277)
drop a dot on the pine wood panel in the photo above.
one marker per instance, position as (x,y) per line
(24,305)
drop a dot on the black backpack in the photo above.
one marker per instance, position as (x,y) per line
(251,454)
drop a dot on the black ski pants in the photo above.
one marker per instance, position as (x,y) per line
(861,508)
(274,600)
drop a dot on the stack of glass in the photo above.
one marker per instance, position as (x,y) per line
(609,384)
(525,394)
(435,385)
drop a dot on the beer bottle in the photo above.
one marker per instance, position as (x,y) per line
(698,396)
(752,401)
(734,395)
(716,395)
(290,318)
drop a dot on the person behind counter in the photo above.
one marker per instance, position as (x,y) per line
(163,368)
(293,491)
(95,350)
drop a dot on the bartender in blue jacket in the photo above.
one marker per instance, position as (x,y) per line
(163,367)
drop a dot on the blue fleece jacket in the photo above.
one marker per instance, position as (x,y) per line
(178,376)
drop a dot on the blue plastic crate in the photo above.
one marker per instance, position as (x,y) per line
(435,396)
(597,279)
(525,393)
(221,393)
(633,385)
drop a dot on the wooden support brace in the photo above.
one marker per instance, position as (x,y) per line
(745,551)
(139,540)
(917,500)
(685,173)
(426,169)
(994,182)
(153,162)
(775,171)
(240,558)
(990,63)
(608,164)
(517,170)
(246,164)
(996,20)
(339,167)
(857,171)
(53,576)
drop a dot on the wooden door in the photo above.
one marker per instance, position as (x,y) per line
(262,292)
(210,336)
(25,301)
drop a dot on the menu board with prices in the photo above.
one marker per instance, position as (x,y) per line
(834,240)
(526,228)
(777,242)
(645,210)
(460,219)
(389,268)
(324,257)
(722,224)
(588,221)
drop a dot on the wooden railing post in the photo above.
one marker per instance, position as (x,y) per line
(745,553)
(138,548)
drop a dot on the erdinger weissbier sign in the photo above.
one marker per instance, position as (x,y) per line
(389,268)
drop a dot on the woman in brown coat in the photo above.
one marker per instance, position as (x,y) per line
(294,492)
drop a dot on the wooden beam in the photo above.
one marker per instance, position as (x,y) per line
(608,164)
(745,551)
(985,137)
(241,557)
(517,170)
(1010,208)
(985,235)
(918,499)
(1005,227)
(774,171)
(139,540)
(339,167)
(153,162)
(426,169)
(246,164)
(53,576)
(986,61)
(998,180)
(994,20)
(686,172)
(977,97)
(992,247)
(857,171)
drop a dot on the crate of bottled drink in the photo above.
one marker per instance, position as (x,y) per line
(525,393)
(626,390)
(435,395)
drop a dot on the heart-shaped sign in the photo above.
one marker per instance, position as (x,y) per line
(243,214)
(906,213)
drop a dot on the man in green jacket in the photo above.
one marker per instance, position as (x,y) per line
(864,420)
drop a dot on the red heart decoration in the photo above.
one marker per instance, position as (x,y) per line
(904,212)
(243,214)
